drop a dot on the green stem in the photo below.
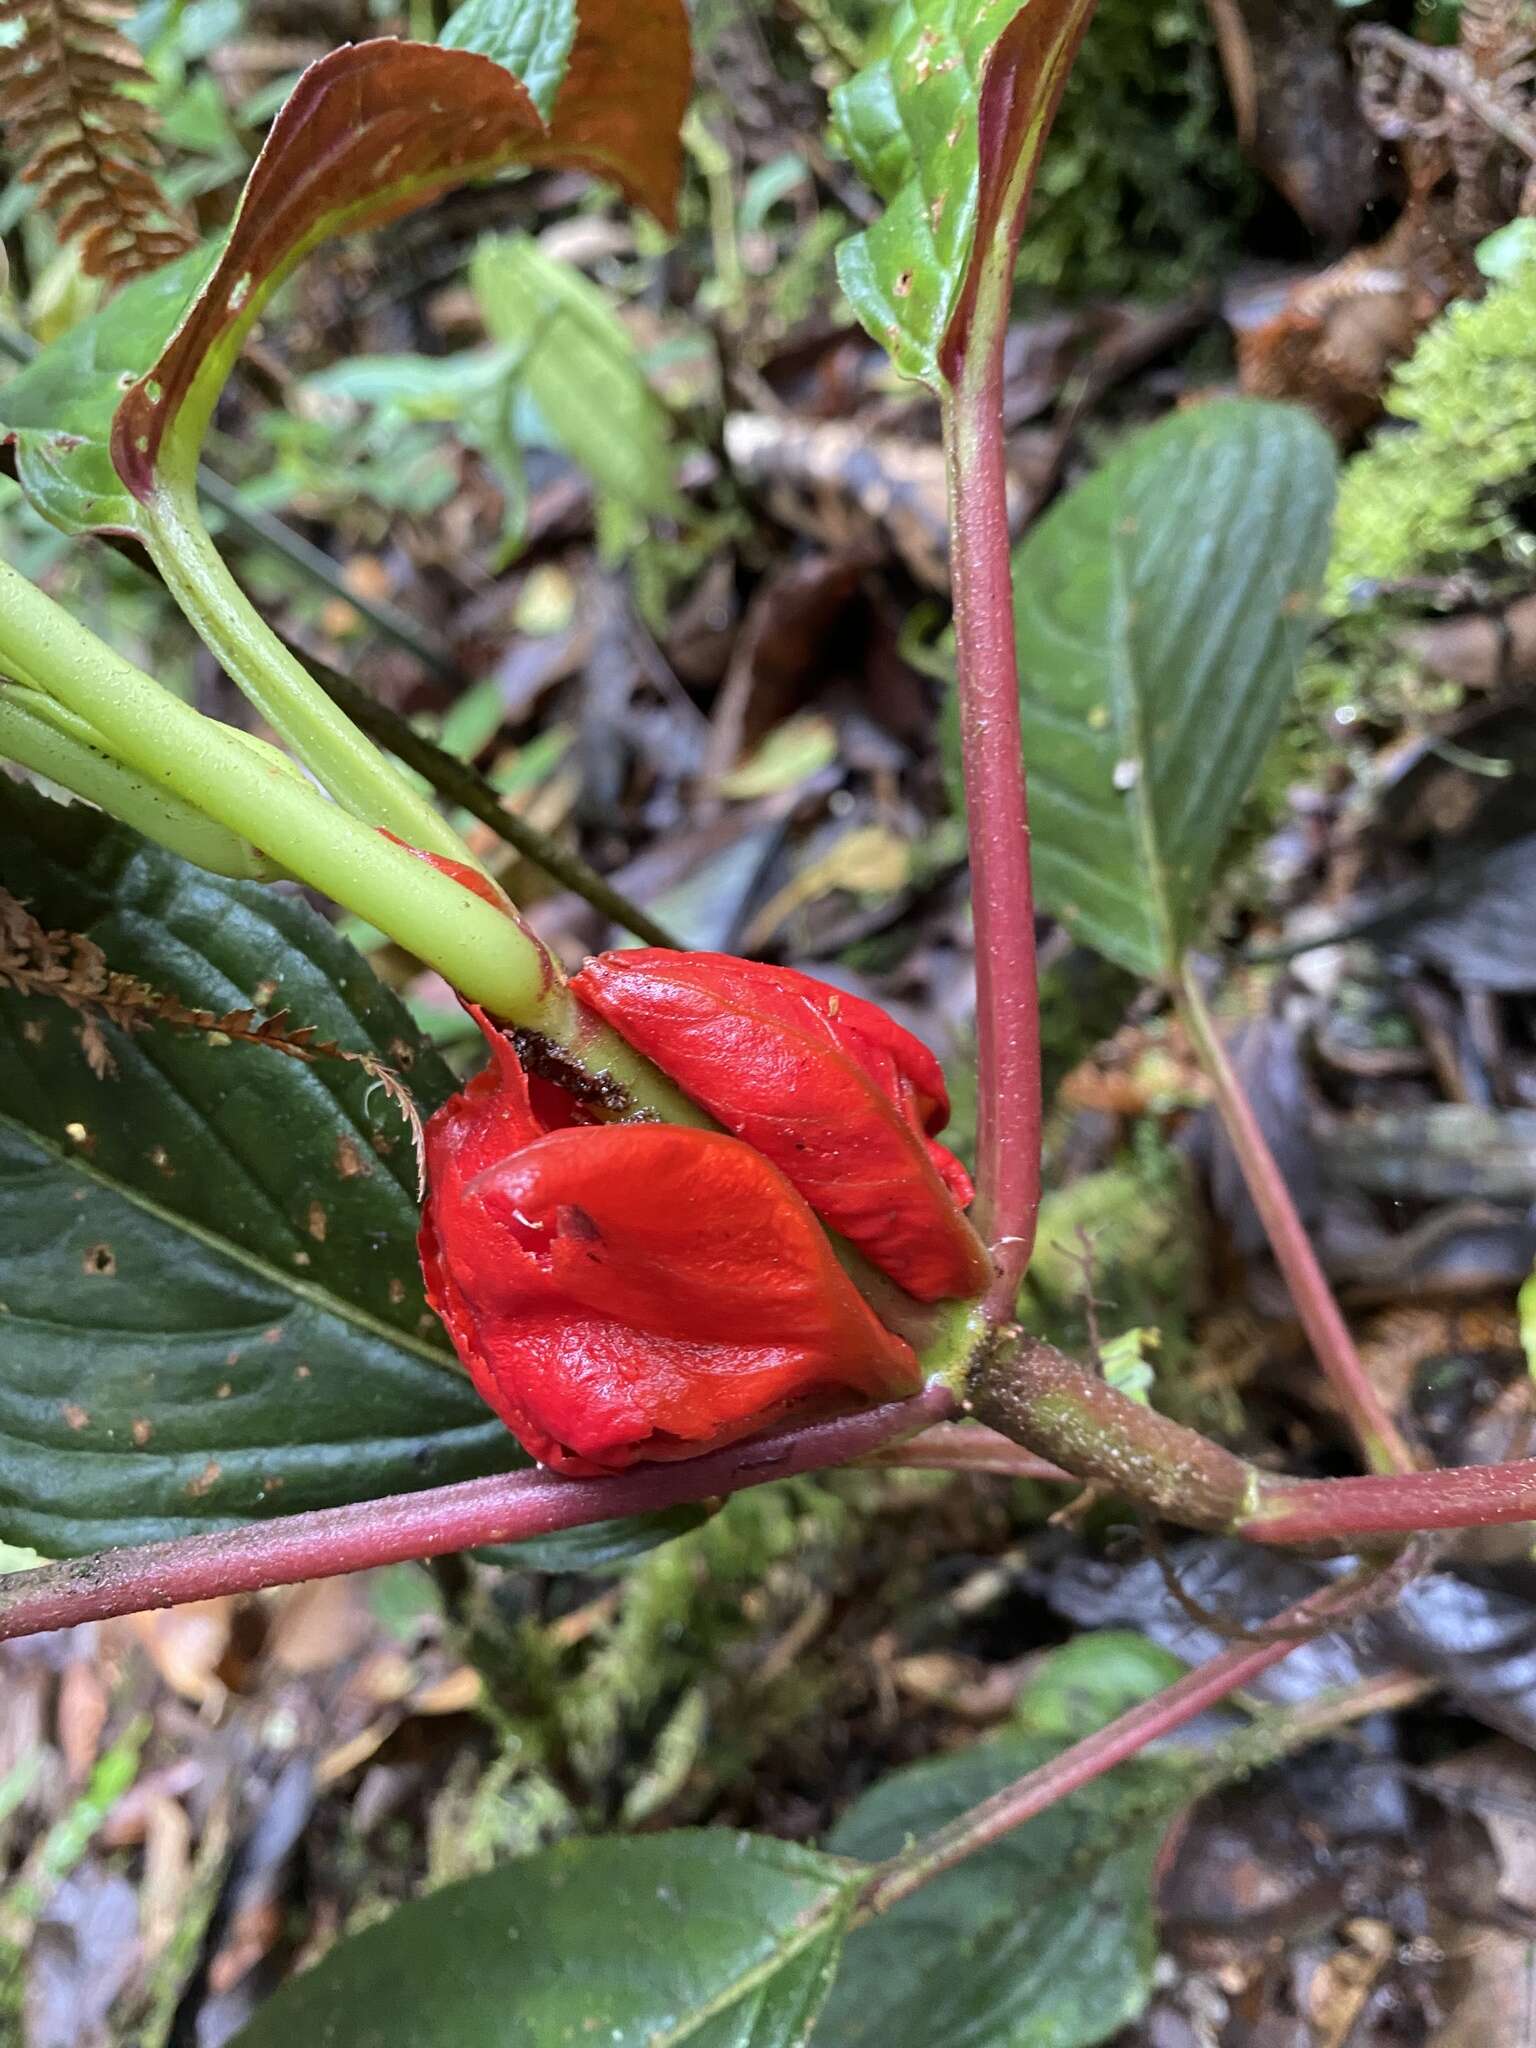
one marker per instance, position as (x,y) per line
(487,954)
(255,523)
(50,740)
(465,786)
(1034,1395)
(254,792)
(344,760)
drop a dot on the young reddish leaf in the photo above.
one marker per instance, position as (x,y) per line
(611,78)
(375,129)
(368,132)
(1022,79)
(948,127)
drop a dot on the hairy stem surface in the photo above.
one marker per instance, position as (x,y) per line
(997,813)
(328,1542)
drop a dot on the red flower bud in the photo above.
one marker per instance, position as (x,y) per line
(634,1291)
(824,1084)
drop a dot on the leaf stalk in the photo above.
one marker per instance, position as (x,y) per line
(1382,1443)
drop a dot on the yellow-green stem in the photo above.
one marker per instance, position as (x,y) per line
(50,740)
(344,760)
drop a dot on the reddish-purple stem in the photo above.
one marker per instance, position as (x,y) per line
(1090,1758)
(968,1447)
(330,1541)
(1337,1511)
(997,811)
(1382,1443)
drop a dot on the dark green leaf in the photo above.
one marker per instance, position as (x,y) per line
(211,1306)
(57,413)
(714,1939)
(1162,608)
(912,123)
(1045,1940)
(600,1545)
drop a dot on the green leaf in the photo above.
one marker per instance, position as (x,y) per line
(718,1940)
(375,129)
(1091,1680)
(57,412)
(532,38)
(599,1546)
(948,126)
(1162,607)
(1046,1939)
(209,1296)
(576,361)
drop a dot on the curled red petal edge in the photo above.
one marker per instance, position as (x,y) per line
(684,1385)
(836,1093)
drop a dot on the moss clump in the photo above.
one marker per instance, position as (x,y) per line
(1422,499)
(1143,188)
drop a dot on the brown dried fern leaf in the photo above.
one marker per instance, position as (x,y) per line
(72,969)
(83,140)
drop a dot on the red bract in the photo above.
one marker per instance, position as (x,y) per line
(634,1291)
(824,1084)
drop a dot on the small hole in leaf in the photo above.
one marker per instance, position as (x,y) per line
(153,391)
(101,1261)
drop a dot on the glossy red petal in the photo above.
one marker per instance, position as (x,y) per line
(643,1291)
(825,1085)
(489,1118)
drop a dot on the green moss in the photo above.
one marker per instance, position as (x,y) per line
(1129,1228)
(1421,499)
(1143,188)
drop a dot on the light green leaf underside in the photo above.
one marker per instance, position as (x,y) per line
(1162,608)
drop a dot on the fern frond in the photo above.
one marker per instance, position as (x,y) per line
(81,138)
(72,969)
